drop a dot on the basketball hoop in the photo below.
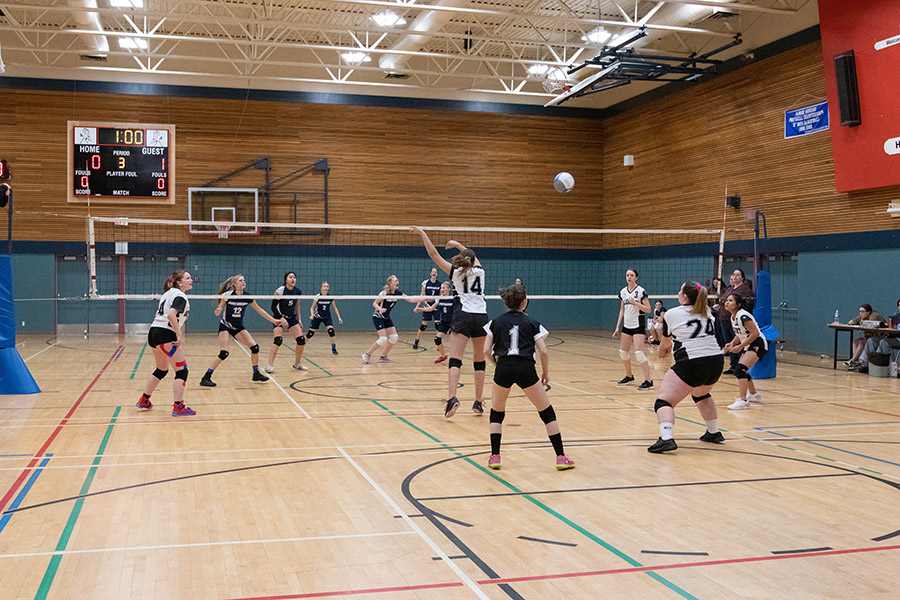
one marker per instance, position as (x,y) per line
(556,82)
(223,228)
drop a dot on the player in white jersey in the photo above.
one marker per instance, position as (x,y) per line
(166,338)
(288,307)
(631,323)
(469,317)
(749,344)
(698,365)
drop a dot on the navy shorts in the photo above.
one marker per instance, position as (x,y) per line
(470,325)
(382,323)
(518,371)
(442,326)
(696,372)
(291,321)
(429,315)
(159,336)
(316,321)
(232,332)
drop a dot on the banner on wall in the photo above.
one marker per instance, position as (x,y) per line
(806,120)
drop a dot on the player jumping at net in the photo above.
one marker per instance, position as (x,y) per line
(430,287)
(469,317)
(442,309)
(698,365)
(387,332)
(288,308)
(510,343)
(320,312)
(749,344)
(166,338)
(231,325)
(631,323)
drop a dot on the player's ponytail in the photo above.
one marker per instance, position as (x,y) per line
(513,296)
(697,297)
(387,284)
(228,284)
(464,261)
(173,280)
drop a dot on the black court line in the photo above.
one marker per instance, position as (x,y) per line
(822,549)
(667,553)
(886,536)
(410,516)
(531,539)
(456,557)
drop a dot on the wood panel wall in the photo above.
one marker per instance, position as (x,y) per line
(689,145)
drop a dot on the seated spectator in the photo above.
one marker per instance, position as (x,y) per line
(859,358)
(655,328)
(881,345)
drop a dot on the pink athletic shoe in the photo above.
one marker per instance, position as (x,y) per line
(494,461)
(563,463)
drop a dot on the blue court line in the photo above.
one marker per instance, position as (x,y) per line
(826,425)
(831,448)
(14,455)
(116,358)
(24,491)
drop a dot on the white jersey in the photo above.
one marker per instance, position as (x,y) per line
(470,290)
(738,322)
(174,298)
(632,317)
(694,334)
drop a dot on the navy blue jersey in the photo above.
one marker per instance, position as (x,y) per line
(285,306)
(233,313)
(432,289)
(323,306)
(388,301)
(444,309)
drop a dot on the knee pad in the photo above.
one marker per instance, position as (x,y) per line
(700,398)
(160,374)
(438,341)
(301,341)
(310,333)
(223,354)
(436,325)
(423,327)
(381,341)
(624,354)
(182,374)
(497,416)
(742,372)
(548,415)
(393,338)
(640,356)
(660,404)
(254,349)
(479,365)
(278,340)
(330,331)
(454,362)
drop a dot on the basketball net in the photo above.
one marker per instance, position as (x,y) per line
(223,228)
(555,82)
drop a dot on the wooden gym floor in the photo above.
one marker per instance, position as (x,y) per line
(347,480)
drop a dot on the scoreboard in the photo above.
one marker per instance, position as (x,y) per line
(123,163)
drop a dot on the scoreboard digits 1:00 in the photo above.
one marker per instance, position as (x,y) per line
(112,162)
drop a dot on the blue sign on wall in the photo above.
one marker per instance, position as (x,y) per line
(806,120)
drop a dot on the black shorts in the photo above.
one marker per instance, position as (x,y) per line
(316,321)
(291,321)
(519,371)
(470,325)
(442,326)
(158,336)
(705,370)
(232,332)
(429,315)
(756,346)
(639,330)
(382,323)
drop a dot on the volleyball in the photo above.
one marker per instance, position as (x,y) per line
(564,182)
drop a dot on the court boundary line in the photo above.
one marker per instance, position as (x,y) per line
(275,381)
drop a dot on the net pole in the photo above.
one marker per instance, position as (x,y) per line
(92,264)
(721,269)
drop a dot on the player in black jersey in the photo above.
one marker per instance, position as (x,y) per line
(320,312)
(698,365)
(387,333)
(231,325)
(442,309)
(288,308)
(430,287)
(510,343)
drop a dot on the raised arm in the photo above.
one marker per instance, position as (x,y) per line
(460,247)
(442,263)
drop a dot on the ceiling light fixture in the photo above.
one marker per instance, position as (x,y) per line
(597,36)
(538,70)
(355,58)
(130,43)
(388,19)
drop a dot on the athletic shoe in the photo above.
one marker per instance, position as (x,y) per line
(662,445)
(384,359)
(450,409)
(739,404)
(257,376)
(494,461)
(753,397)
(440,359)
(269,368)
(144,404)
(712,438)
(334,351)
(564,463)
(416,345)
(478,407)
(646,385)
(180,410)
(626,380)
(863,369)
(851,363)
(206,381)
(300,367)
(728,371)
(366,357)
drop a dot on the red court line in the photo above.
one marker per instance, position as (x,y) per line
(34,461)
(406,588)
(868,410)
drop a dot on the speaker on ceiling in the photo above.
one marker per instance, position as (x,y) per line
(848,92)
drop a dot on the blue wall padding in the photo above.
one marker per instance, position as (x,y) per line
(765,368)
(7,312)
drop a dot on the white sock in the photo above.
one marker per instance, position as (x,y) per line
(712,425)
(665,430)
